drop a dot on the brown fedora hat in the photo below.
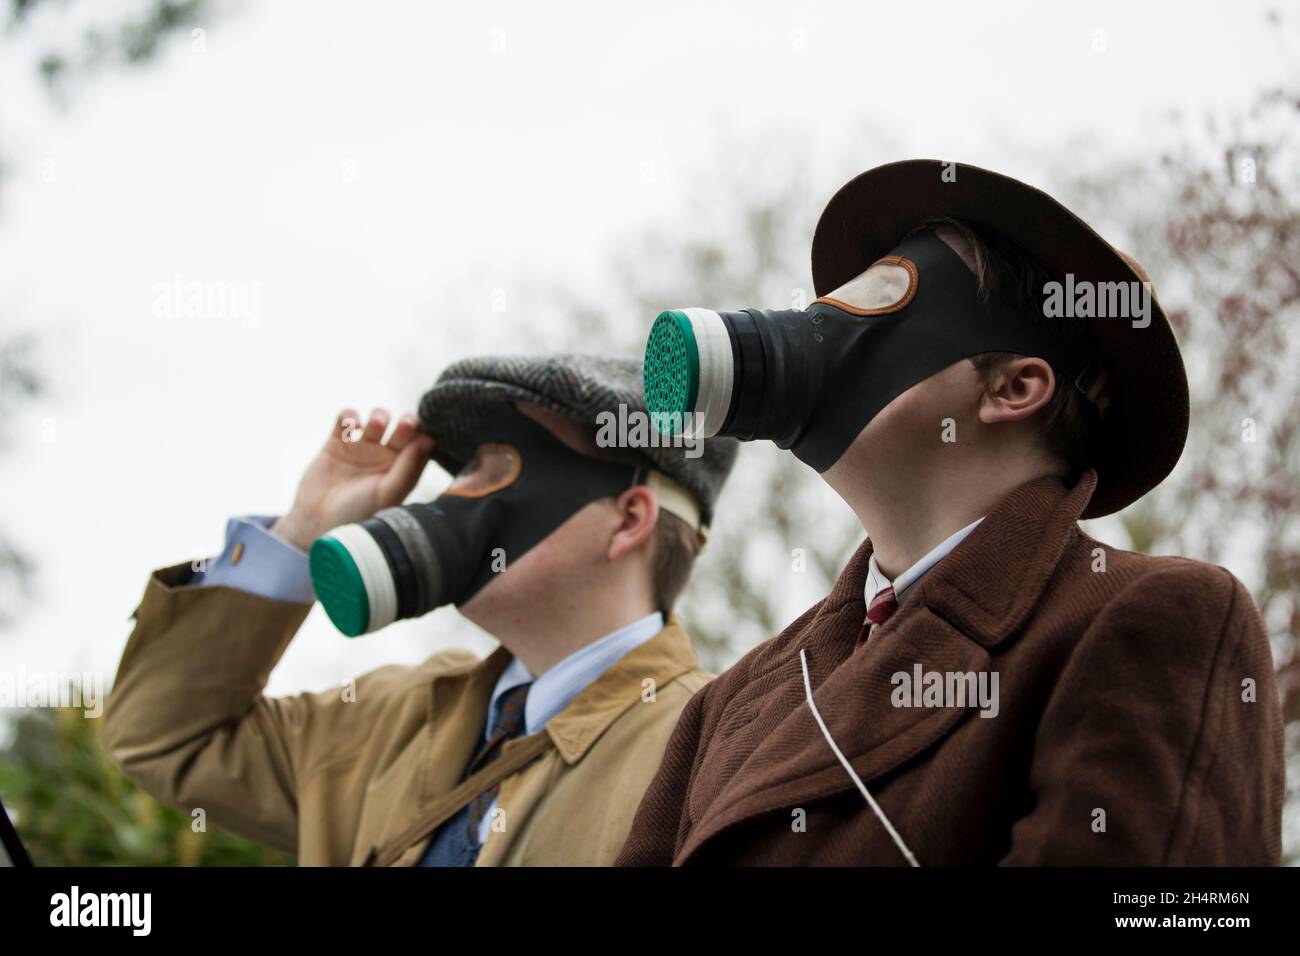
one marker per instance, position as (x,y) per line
(1145,424)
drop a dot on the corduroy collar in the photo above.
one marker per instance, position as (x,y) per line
(989,583)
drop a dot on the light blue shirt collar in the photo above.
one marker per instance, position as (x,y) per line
(877,582)
(555,689)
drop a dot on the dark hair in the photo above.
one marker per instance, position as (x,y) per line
(676,546)
(1004,271)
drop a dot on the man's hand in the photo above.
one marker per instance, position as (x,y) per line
(355,475)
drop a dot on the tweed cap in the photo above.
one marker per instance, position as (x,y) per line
(576,386)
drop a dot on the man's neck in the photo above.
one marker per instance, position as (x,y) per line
(907,516)
(541,634)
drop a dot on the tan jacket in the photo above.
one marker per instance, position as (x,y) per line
(340,776)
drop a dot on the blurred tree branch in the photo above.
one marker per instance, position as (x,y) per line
(73,805)
(127,42)
(1216,221)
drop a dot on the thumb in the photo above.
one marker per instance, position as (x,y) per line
(396,483)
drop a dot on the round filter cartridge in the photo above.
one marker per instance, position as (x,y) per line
(688,373)
(353,581)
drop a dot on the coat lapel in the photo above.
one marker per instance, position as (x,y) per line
(795,765)
(456,705)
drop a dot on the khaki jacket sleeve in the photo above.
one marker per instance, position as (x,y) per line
(1162,742)
(186,718)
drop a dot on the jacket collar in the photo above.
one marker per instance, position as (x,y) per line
(457,699)
(990,582)
(662,659)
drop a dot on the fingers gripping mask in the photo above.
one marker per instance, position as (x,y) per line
(811,380)
(521,484)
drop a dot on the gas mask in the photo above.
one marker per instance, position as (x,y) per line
(811,380)
(521,484)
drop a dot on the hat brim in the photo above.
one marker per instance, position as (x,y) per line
(1146,425)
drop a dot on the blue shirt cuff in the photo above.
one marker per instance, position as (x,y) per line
(256,561)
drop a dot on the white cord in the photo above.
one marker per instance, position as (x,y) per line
(875,807)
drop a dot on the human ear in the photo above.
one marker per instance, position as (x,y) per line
(639,513)
(1017,390)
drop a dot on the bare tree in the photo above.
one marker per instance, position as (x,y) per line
(1221,237)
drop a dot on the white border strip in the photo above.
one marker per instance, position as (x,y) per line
(674,498)
(381,590)
(713,343)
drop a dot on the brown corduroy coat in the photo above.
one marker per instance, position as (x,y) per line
(1126,731)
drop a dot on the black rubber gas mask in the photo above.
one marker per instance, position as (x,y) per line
(521,485)
(811,380)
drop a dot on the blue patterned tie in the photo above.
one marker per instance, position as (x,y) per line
(509,725)
(456,842)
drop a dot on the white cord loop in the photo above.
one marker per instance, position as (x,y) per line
(875,807)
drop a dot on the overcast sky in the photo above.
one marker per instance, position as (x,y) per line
(360,165)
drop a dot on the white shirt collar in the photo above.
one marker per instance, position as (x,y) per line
(555,689)
(877,582)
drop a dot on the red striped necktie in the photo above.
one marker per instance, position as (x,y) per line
(880,610)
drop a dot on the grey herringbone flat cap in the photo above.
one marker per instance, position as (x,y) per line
(577,386)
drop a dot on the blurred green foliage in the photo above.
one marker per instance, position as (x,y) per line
(73,806)
(71,803)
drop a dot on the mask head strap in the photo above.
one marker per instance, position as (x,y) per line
(673,497)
